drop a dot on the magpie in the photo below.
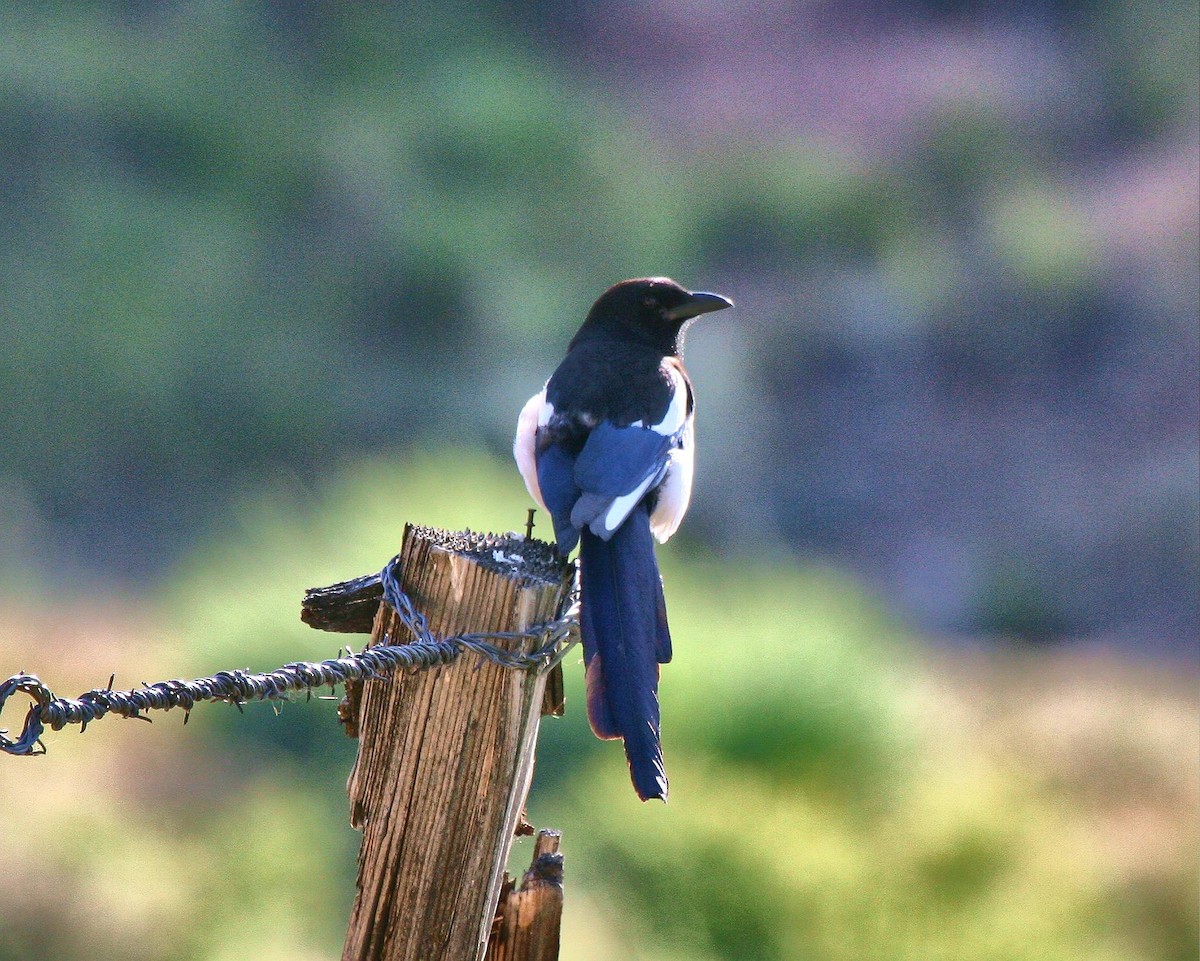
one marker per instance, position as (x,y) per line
(606,448)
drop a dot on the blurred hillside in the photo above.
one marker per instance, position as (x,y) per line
(247,242)
(839,793)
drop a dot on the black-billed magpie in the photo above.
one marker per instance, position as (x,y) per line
(607,448)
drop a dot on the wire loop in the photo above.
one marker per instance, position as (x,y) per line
(424,651)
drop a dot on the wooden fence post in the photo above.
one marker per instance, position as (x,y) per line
(529,917)
(445,755)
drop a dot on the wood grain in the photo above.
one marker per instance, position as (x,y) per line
(444,763)
(529,918)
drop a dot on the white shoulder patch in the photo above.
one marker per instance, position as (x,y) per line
(675,492)
(676,416)
(536,413)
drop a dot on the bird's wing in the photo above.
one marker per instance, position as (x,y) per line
(613,472)
(556,480)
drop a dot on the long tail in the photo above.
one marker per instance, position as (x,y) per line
(623,619)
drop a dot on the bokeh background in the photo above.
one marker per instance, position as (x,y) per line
(276,277)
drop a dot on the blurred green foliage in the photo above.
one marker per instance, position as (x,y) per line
(836,792)
(211,239)
(251,238)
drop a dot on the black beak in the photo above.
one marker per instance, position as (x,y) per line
(698,303)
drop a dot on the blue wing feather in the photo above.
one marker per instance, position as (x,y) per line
(556,478)
(615,460)
(614,470)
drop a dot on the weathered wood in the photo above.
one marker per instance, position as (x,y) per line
(445,759)
(347,607)
(529,918)
(554,701)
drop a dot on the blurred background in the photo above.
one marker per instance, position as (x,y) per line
(276,277)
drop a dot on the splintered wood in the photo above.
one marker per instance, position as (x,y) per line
(444,762)
(529,917)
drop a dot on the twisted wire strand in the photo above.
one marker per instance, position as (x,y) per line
(423,652)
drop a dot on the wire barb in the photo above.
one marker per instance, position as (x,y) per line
(238,686)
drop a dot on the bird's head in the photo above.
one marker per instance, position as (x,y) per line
(652,309)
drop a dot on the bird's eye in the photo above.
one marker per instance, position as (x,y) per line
(650,301)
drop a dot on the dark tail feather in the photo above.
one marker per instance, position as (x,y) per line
(624,627)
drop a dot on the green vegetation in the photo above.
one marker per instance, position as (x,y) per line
(838,792)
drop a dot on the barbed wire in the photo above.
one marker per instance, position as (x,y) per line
(238,686)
